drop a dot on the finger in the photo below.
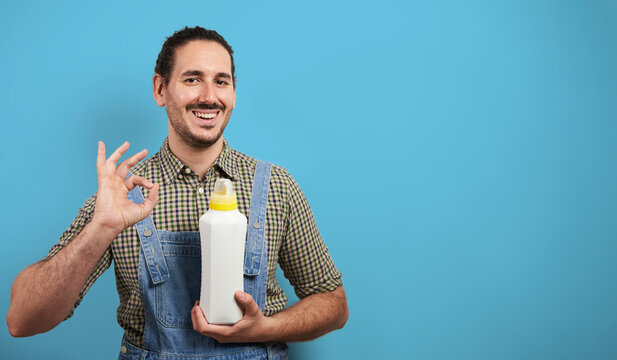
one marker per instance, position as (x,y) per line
(100,159)
(153,198)
(200,323)
(247,303)
(195,318)
(134,180)
(124,166)
(119,152)
(202,326)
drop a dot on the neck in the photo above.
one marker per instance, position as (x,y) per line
(200,159)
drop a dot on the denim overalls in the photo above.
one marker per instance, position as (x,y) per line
(170,281)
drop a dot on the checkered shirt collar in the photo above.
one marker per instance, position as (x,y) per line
(171,166)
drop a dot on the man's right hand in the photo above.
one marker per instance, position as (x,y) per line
(113,210)
(44,293)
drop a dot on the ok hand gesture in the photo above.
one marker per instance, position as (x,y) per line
(113,210)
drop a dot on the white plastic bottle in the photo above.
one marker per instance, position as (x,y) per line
(223,232)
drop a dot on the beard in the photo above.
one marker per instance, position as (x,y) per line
(182,128)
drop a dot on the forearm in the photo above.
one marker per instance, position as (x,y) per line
(44,293)
(311,317)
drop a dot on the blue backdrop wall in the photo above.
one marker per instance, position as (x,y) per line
(459,157)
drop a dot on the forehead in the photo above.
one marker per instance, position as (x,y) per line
(206,56)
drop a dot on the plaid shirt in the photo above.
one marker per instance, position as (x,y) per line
(292,237)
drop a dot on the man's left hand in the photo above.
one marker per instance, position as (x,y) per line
(253,327)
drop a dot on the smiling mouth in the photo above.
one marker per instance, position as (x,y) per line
(205,115)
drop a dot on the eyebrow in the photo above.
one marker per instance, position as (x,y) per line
(192,73)
(201,73)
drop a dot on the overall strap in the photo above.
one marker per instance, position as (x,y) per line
(255,236)
(150,242)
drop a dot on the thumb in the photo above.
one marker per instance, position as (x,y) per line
(246,302)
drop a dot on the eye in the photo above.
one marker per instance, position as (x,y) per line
(221,82)
(191,80)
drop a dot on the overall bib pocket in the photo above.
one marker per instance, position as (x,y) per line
(175,299)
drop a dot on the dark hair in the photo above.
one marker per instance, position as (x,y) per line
(165,61)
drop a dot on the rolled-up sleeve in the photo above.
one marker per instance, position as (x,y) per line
(303,256)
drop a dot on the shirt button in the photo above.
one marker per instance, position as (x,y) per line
(179,176)
(123,349)
(187,170)
(201,190)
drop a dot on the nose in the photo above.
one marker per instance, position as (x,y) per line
(207,93)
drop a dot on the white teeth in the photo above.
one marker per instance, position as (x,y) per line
(205,115)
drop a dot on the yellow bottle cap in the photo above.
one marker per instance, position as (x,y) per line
(223,198)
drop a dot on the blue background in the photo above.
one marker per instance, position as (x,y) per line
(459,156)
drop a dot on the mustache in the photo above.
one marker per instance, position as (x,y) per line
(204,106)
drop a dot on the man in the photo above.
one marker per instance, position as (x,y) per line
(150,236)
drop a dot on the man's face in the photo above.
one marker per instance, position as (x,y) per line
(200,95)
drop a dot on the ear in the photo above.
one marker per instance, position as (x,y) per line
(158,90)
(233,104)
